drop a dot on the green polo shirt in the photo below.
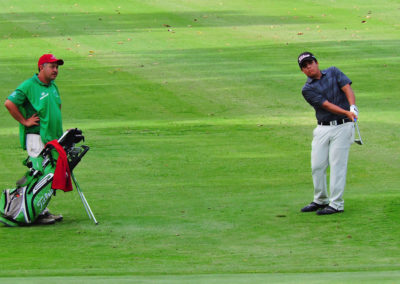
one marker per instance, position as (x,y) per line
(33,96)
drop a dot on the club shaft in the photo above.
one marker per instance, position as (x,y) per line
(358,132)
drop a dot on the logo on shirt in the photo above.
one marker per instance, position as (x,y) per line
(43,95)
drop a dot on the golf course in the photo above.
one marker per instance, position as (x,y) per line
(200,141)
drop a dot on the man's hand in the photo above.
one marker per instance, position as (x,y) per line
(354,109)
(14,111)
(33,120)
(351,115)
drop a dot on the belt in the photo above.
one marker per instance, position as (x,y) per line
(334,122)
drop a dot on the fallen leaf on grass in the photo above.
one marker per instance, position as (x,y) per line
(115,71)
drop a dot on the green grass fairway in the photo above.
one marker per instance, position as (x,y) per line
(200,141)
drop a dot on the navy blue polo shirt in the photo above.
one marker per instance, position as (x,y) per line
(328,87)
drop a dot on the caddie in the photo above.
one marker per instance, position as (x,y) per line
(329,92)
(36,105)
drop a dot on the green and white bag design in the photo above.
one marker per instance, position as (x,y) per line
(23,204)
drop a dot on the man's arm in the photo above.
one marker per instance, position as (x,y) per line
(338,110)
(349,94)
(14,111)
(350,98)
(348,91)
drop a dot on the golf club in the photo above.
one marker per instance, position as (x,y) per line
(84,201)
(358,140)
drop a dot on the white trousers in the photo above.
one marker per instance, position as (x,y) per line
(34,144)
(330,147)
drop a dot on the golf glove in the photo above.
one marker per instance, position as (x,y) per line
(354,109)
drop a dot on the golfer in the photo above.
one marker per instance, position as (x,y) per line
(329,92)
(36,105)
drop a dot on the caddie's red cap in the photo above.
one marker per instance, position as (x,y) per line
(49,58)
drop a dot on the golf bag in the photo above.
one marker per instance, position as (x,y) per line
(23,204)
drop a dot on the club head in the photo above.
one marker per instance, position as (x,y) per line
(358,140)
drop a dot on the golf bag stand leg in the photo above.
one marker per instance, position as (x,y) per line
(84,201)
